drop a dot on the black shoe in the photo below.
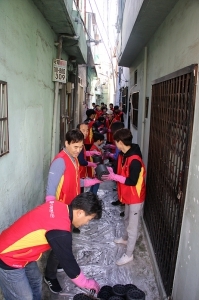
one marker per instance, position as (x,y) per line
(76,230)
(122,204)
(122,214)
(114,189)
(53,285)
(116,203)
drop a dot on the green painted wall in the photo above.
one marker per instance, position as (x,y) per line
(26,54)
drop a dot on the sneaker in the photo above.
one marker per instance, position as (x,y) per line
(60,269)
(122,214)
(116,203)
(124,260)
(53,285)
(120,241)
(76,230)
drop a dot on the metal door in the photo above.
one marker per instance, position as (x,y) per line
(172,112)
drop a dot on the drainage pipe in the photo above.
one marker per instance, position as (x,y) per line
(56,102)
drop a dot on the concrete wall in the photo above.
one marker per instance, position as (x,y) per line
(176,45)
(26,54)
(131,11)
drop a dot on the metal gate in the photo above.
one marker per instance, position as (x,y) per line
(172,111)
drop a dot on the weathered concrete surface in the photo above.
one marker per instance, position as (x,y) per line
(96,253)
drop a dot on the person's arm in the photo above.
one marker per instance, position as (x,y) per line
(61,243)
(115,156)
(131,180)
(89,182)
(134,173)
(56,171)
(81,159)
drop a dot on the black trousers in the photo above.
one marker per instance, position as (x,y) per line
(51,266)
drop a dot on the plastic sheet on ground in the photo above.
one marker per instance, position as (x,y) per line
(96,253)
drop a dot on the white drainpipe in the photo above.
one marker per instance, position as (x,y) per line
(56,103)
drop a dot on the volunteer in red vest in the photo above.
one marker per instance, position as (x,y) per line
(64,185)
(118,114)
(98,112)
(130,177)
(46,226)
(98,141)
(82,157)
(109,121)
(90,121)
(111,106)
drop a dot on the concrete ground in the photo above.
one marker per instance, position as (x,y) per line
(96,254)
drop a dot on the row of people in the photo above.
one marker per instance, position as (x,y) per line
(102,125)
(48,226)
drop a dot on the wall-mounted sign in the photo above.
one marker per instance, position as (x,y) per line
(59,70)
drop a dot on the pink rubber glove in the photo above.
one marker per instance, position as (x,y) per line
(115,177)
(90,182)
(113,147)
(109,146)
(50,198)
(92,164)
(102,130)
(90,153)
(86,283)
(108,155)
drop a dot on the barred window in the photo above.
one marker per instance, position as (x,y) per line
(135,106)
(4,140)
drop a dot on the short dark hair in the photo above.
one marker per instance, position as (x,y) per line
(116,107)
(101,119)
(102,103)
(89,203)
(79,125)
(110,104)
(90,112)
(74,136)
(98,137)
(103,107)
(124,135)
(116,126)
(93,102)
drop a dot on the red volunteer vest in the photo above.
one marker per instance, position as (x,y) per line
(98,114)
(89,138)
(131,194)
(118,116)
(69,185)
(109,134)
(25,241)
(83,169)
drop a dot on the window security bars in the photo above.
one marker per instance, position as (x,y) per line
(172,112)
(135,106)
(4,141)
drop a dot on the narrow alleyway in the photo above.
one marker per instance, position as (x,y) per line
(96,253)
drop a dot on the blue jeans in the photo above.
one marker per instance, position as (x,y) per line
(21,284)
(94,188)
